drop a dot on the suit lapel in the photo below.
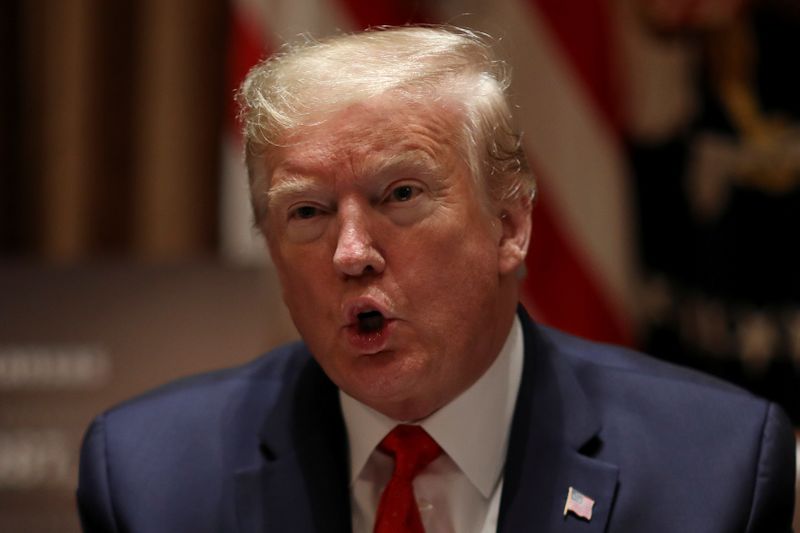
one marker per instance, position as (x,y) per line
(553,436)
(300,483)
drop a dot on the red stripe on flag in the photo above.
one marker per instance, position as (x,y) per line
(367,13)
(561,284)
(246,47)
(584,31)
(564,293)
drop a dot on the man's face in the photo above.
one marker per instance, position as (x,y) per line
(396,272)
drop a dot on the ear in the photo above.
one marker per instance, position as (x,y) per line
(515,221)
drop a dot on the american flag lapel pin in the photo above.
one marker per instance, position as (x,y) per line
(579,504)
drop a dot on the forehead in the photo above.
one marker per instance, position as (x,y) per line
(367,136)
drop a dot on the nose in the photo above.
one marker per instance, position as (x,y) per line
(356,252)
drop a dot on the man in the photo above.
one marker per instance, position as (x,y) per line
(395,200)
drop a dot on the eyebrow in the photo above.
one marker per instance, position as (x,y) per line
(289,186)
(297,184)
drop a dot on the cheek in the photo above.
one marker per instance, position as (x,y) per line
(302,278)
(450,273)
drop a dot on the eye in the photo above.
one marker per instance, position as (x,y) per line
(403,193)
(304,212)
(305,222)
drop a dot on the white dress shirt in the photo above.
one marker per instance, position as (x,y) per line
(460,491)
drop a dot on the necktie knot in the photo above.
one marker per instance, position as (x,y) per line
(412,448)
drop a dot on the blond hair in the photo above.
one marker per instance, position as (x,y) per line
(306,82)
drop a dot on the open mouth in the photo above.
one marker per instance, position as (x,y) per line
(369,322)
(369,326)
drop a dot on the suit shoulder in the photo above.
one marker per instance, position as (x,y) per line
(623,384)
(203,396)
(154,451)
(674,433)
(590,357)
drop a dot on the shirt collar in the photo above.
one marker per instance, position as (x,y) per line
(472,429)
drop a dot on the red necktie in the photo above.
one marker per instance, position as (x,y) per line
(413,449)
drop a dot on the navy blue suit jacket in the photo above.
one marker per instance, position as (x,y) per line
(262,448)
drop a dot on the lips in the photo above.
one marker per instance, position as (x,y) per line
(368,325)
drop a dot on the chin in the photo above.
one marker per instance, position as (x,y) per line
(388,385)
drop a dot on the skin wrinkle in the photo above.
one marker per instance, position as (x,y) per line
(293,184)
(305,84)
(441,264)
(426,137)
